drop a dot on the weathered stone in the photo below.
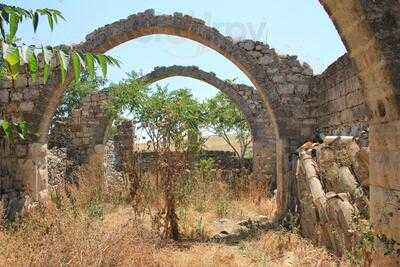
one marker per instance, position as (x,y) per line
(16,96)
(255,54)
(248,45)
(266,60)
(30,93)
(4,96)
(26,106)
(373,45)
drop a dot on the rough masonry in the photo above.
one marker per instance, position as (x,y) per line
(89,124)
(370,31)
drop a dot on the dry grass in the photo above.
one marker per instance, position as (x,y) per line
(87,227)
(212,143)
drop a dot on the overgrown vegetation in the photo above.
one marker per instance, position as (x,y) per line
(173,121)
(226,120)
(15,54)
(89,226)
(171,117)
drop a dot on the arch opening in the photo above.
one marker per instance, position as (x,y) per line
(87,134)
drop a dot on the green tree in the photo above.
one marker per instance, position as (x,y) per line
(228,122)
(126,95)
(168,117)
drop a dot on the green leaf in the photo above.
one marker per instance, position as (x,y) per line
(7,129)
(50,19)
(25,53)
(23,129)
(33,65)
(3,33)
(64,62)
(76,64)
(47,54)
(10,54)
(14,21)
(57,14)
(46,71)
(5,15)
(35,21)
(102,61)
(89,59)
(112,61)
(14,71)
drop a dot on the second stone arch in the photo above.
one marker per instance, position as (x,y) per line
(89,122)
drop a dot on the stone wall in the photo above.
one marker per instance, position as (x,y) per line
(23,163)
(124,144)
(88,126)
(338,99)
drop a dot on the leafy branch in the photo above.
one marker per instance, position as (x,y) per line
(9,129)
(16,55)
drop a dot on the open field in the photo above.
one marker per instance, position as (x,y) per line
(213,143)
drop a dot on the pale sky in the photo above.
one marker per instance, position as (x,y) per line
(298,27)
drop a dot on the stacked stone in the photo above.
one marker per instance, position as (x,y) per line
(289,78)
(340,102)
(60,134)
(57,162)
(88,126)
(109,159)
(22,163)
(124,144)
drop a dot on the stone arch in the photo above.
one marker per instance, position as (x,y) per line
(282,81)
(248,101)
(268,71)
(89,122)
(370,31)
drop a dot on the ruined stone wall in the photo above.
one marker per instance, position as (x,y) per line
(23,165)
(282,81)
(124,144)
(338,99)
(88,126)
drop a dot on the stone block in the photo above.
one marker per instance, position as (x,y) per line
(21,150)
(354,99)
(385,168)
(4,96)
(16,96)
(255,54)
(266,60)
(12,108)
(26,106)
(30,93)
(384,209)
(248,45)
